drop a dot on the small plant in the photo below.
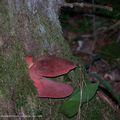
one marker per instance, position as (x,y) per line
(80,96)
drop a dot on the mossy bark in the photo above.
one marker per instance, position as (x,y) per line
(27,29)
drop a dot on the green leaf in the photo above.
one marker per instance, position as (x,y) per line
(80,96)
(69,108)
(107,86)
(89,91)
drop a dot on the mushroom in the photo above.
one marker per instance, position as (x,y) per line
(50,66)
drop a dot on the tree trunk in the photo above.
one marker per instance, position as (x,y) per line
(29,27)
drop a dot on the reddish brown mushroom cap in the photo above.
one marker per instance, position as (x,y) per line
(52,66)
(51,89)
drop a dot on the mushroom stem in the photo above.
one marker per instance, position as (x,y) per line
(29,60)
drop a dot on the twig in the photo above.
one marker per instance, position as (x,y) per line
(94,28)
(118,39)
(109,101)
(88,5)
(50,110)
(115,26)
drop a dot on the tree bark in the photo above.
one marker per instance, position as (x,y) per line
(29,27)
(37,25)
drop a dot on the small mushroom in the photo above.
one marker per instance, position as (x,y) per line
(50,66)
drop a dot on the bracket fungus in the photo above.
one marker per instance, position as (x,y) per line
(50,66)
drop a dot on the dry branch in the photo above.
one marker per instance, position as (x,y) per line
(88,5)
(103,30)
(109,101)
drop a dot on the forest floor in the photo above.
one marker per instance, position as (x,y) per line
(92,39)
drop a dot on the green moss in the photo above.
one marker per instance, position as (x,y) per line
(4,17)
(97,110)
(14,82)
